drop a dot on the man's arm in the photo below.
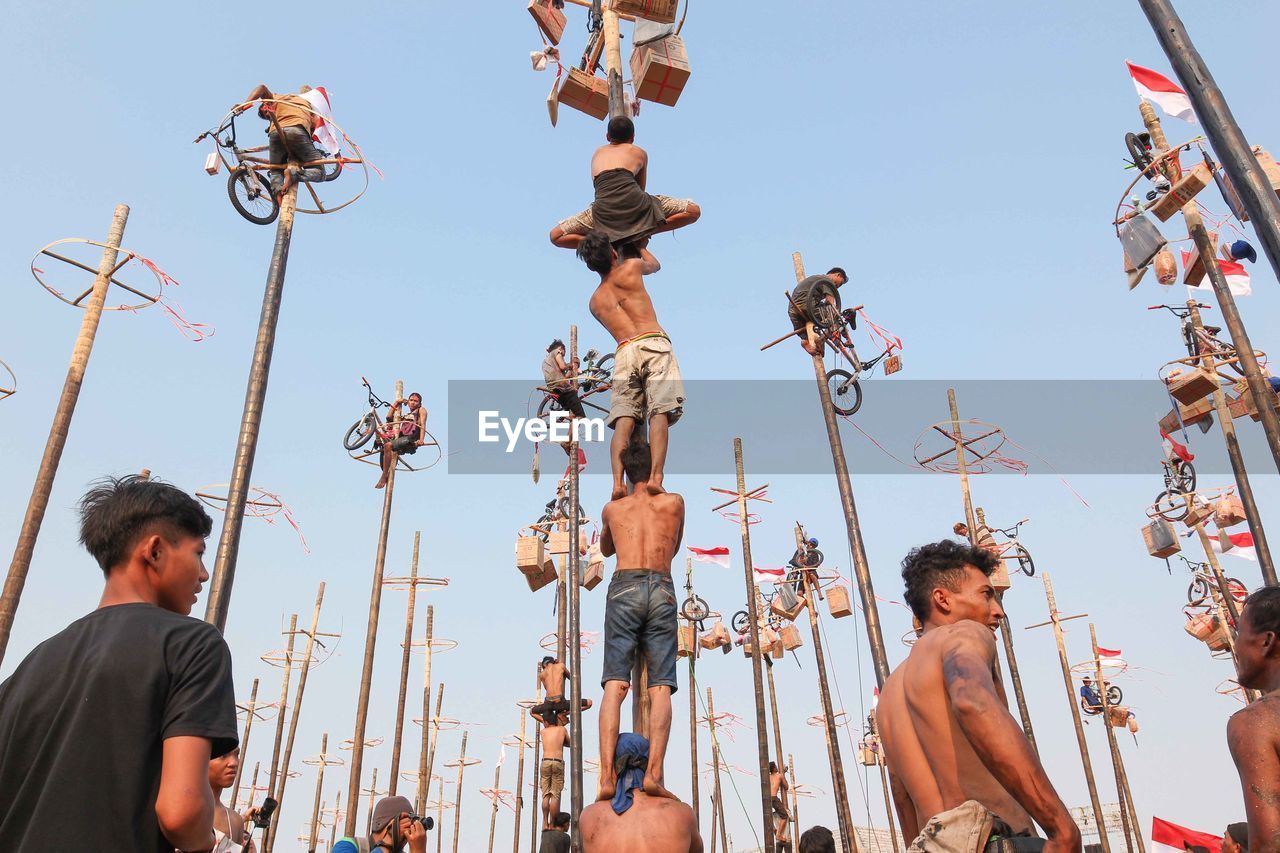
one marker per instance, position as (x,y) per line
(184,806)
(642,176)
(995,736)
(1253,748)
(648,263)
(260,92)
(606,534)
(675,548)
(904,806)
(422,425)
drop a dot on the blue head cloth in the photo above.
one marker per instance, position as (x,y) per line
(630,757)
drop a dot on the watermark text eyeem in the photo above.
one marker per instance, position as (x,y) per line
(558,427)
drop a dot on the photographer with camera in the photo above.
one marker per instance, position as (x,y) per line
(394,826)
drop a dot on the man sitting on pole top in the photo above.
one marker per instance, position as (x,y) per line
(295,121)
(1090,701)
(963,773)
(815,288)
(1253,733)
(644,530)
(622,209)
(646,377)
(403,433)
(634,821)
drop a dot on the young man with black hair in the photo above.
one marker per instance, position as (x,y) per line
(646,377)
(820,288)
(1253,732)
(122,710)
(817,839)
(403,433)
(963,774)
(778,791)
(556,839)
(622,209)
(289,134)
(557,376)
(555,740)
(230,829)
(644,530)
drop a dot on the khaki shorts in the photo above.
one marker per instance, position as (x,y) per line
(583,222)
(646,382)
(551,777)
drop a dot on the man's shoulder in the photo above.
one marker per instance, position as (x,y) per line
(1256,720)
(963,633)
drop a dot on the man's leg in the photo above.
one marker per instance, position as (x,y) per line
(388,459)
(659,734)
(621,437)
(680,219)
(610,712)
(302,149)
(659,425)
(276,156)
(569,233)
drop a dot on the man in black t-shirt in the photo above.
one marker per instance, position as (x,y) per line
(107,728)
(556,839)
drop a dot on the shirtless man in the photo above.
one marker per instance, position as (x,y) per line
(555,740)
(961,770)
(644,530)
(646,377)
(553,674)
(1253,733)
(633,821)
(227,824)
(622,209)
(778,790)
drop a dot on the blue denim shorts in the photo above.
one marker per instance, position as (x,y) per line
(640,614)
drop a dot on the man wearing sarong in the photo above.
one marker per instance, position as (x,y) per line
(622,209)
(963,775)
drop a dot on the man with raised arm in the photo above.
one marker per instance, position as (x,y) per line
(644,530)
(622,209)
(289,133)
(646,377)
(1253,733)
(964,777)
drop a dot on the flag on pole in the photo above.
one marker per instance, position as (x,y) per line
(1168,837)
(1162,92)
(1173,448)
(718,555)
(1235,544)
(324,132)
(769,575)
(1108,653)
(1236,275)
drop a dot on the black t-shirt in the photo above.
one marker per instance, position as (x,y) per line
(554,841)
(83,720)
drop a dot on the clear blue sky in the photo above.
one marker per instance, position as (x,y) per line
(962,160)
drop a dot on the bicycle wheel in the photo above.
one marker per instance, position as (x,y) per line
(601,373)
(740,621)
(1170,506)
(359,433)
(251,196)
(1184,476)
(549,404)
(1115,695)
(695,609)
(1237,589)
(846,395)
(331,171)
(812,558)
(1198,591)
(1025,563)
(1138,151)
(564,506)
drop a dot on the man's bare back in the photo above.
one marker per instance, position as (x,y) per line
(553,677)
(621,303)
(554,739)
(622,155)
(930,756)
(651,825)
(644,529)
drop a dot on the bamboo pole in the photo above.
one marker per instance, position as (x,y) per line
(861,568)
(1228,426)
(757,652)
(297,710)
(718,805)
(795,806)
(1223,602)
(534,823)
(1117,760)
(373,798)
(426,758)
(315,808)
(337,810)
(888,803)
(255,395)
(275,749)
(244,742)
(575,621)
(613,62)
(519,806)
(59,427)
(407,650)
(435,734)
(493,814)
(457,805)
(693,700)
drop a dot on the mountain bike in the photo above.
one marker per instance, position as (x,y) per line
(370,426)
(595,377)
(1179,481)
(832,326)
(556,511)
(1204,584)
(1011,547)
(741,620)
(1115,696)
(1204,342)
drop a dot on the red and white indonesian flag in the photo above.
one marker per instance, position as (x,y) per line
(718,555)
(1168,837)
(1161,91)
(1236,544)
(1108,653)
(1173,448)
(325,132)
(1236,275)
(770,575)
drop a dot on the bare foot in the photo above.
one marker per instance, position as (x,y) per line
(382,484)
(586,703)
(653,787)
(608,787)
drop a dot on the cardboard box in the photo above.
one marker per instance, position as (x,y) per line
(1160,539)
(1228,512)
(1208,629)
(212,163)
(550,19)
(558,542)
(892,364)
(1182,192)
(778,607)
(1193,385)
(1000,577)
(1239,407)
(791,639)
(838,601)
(529,554)
(1193,270)
(686,645)
(585,92)
(592,577)
(1119,716)
(1192,414)
(1269,166)
(546,575)
(1252,409)
(1200,512)
(659,71)
(662,11)
(868,753)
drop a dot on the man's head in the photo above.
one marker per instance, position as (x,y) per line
(949,582)
(773,767)
(838,276)
(961,529)
(556,344)
(415,400)
(561,821)
(621,130)
(1236,838)
(548,659)
(637,461)
(597,252)
(1258,642)
(152,528)
(817,839)
(222,770)
(1088,682)
(392,819)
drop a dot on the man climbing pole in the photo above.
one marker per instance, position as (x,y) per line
(1090,701)
(646,377)
(403,433)
(558,378)
(553,674)
(292,122)
(622,209)
(555,740)
(644,530)
(961,769)
(778,790)
(814,301)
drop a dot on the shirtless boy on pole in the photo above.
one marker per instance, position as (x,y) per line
(646,377)
(553,674)
(963,775)
(555,740)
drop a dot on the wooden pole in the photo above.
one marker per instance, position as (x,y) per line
(370,641)
(755,636)
(255,395)
(315,808)
(59,428)
(861,568)
(613,62)
(426,757)
(1228,426)
(1117,760)
(575,622)
(337,810)
(373,798)
(244,742)
(493,814)
(888,803)
(718,805)
(457,805)
(537,773)
(297,710)
(1006,634)
(693,700)
(1056,619)
(1263,398)
(515,846)
(1223,602)
(275,749)
(398,737)
(434,722)
(795,807)
(562,607)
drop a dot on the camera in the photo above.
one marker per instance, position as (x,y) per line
(264,813)
(428,822)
